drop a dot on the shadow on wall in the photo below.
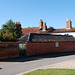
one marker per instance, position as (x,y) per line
(32,58)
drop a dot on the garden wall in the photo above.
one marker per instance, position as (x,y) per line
(9,49)
(36,48)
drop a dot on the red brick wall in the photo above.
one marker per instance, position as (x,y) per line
(48,47)
(9,49)
(69,24)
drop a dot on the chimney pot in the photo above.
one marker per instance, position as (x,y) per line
(68,22)
(44,27)
(17,22)
(41,24)
(19,25)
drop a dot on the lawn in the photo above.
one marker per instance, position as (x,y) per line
(53,72)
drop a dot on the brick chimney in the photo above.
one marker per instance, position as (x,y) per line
(68,22)
(19,25)
(44,27)
(41,24)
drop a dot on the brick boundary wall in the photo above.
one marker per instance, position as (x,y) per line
(9,49)
(36,48)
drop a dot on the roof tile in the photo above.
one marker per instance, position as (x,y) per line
(38,37)
(30,30)
(63,30)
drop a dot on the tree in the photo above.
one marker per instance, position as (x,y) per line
(9,26)
(10,31)
(50,27)
(17,32)
(1,34)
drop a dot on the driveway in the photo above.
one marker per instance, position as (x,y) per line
(18,65)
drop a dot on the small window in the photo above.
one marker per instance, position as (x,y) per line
(57,44)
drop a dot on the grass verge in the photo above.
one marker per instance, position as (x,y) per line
(53,72)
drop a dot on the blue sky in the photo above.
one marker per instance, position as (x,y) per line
(29,12)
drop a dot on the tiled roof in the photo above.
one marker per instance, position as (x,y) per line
(63,30)
(30,30)
(36,37)
(23,39)
(26,31)
(47,31)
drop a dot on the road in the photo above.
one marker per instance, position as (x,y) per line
(17,65)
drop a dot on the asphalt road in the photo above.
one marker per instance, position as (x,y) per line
(18,65)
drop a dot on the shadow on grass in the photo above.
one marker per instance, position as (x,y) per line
(37,57)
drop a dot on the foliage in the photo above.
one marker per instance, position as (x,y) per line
(50,27)
(17,31)
(53,72)
(5,35)
(9,26)
(10,31)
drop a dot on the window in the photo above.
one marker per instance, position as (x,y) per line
(57,44)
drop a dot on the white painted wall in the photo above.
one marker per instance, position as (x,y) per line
(65,33)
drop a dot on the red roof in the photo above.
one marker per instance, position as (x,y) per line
(37,30)
(47,31)
(63,30)
(30,30)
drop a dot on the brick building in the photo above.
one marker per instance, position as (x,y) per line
(43,29)
(43,40)
(37,43)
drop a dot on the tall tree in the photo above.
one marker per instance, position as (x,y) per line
(9,26)
(10,31)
